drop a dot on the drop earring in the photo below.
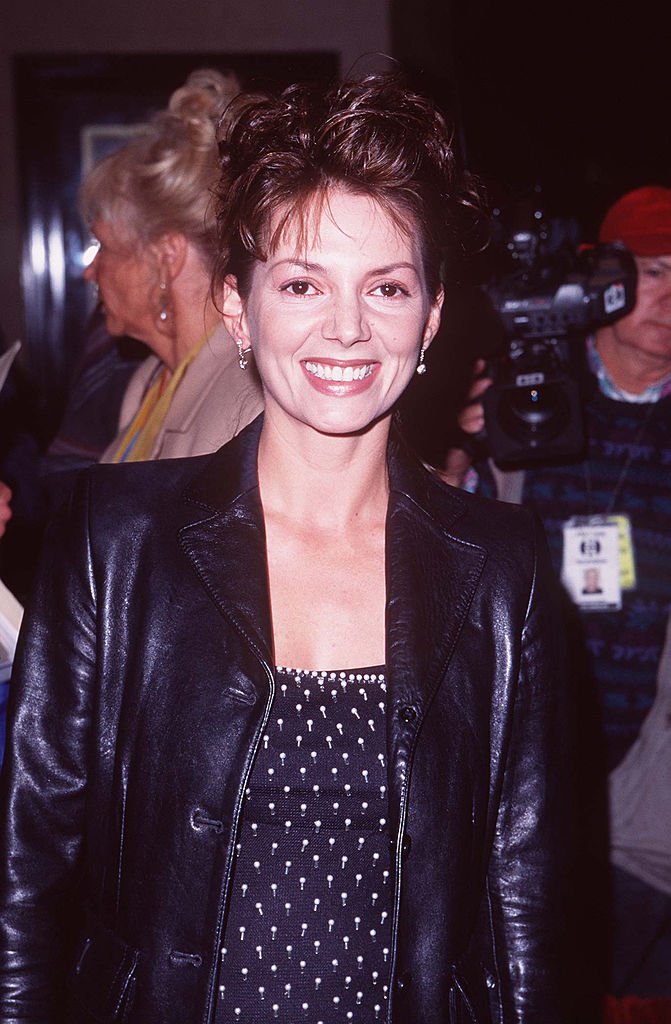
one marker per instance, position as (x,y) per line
(163,301)
(421,366)
(243,362)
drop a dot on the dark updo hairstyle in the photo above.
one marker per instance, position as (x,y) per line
(372,137)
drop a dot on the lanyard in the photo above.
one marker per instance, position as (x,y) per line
(625,466)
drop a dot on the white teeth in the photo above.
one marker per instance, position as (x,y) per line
(339,373)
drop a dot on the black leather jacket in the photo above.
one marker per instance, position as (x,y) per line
(144,674)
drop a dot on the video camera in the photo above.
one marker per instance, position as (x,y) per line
(546,304)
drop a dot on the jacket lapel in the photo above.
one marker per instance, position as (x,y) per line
(432,576)
(225,542)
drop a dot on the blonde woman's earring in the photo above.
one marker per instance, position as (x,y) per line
(164,301)
(421,366)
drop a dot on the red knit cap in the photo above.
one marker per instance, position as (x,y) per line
(641,220)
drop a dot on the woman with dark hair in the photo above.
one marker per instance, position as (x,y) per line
(287,726)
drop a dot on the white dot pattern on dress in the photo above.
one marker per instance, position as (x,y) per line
(308,929)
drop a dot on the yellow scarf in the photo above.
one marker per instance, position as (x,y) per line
(138,440)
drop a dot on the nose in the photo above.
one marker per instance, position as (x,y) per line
(346,321)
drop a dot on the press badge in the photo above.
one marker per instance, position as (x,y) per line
(591,565)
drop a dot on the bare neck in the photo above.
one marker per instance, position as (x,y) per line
(328,483)
(325,505)
(189,326)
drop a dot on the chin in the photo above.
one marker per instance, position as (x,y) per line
(347,426)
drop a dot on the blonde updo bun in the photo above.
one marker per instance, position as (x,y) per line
(161,181)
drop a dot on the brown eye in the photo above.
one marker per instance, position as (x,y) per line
(297,288)
(390,290)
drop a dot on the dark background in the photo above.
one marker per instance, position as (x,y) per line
(566,103)
(574,96)
(571,98)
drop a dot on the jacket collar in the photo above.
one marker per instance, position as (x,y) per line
(225,542)
(229,473)
(432,573)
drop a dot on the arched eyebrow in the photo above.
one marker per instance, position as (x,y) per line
(391,268)
(316,268)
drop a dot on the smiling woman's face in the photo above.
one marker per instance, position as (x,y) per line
(336,320)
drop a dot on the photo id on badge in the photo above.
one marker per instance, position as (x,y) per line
(591,563)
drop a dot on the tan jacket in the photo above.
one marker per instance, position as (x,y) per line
(213,402)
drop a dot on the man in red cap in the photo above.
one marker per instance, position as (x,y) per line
(636,350)
(619,491)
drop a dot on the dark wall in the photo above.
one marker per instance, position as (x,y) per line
(574,96)
(351,29)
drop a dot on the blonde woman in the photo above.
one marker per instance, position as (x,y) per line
(149,205)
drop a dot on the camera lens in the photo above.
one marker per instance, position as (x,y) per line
(535,414)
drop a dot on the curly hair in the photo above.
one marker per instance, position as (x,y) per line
(373,137)
(162,180)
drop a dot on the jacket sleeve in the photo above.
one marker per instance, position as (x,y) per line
(531,856)
(43,786)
